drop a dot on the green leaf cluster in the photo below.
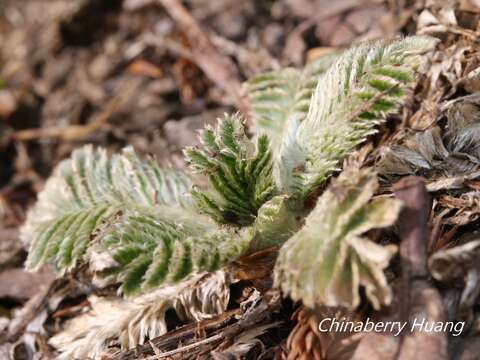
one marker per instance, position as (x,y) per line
(134,212)
(358,91)
(144,226)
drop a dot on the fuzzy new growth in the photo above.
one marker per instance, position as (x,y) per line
(357,92)
(280,96)
(133,211)
(239,172)
(135,224)
(87,190)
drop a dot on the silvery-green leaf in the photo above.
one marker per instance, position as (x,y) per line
(86,191)
(327,260)
(358,91)
(153,247)
(284,95)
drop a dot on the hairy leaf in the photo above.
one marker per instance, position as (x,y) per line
(132,215)
(354,95)
(280,95)
(87,190)
(163,246)
(278,219)
(327,261)
(239,172)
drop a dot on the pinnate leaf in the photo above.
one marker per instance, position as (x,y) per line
(361,88)
(86,191)
(150,248)
(280,95)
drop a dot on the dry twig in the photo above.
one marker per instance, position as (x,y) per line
(222,333)
(74,132)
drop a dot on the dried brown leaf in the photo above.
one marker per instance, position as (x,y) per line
(307,342)
(131,322)
(436,152)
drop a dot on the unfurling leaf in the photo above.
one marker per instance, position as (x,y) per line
(134,321)
(327,261)
(140,226)
(239,172)
(87,190)
(355,94)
